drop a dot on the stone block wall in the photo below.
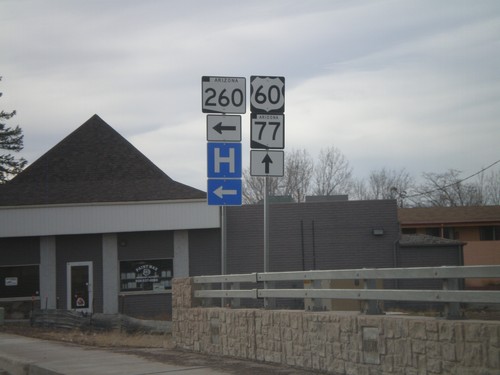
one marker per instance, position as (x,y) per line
(337,342)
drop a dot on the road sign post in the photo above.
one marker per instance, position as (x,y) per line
(267,103)
(223,95)
(227,95)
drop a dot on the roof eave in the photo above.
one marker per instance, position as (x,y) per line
(123,203)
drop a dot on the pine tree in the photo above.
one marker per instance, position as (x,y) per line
(11,139)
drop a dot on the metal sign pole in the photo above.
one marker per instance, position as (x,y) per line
(223,241)
(223,248)
(266,224)
(268,302)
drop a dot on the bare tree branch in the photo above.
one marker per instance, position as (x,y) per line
(332,173)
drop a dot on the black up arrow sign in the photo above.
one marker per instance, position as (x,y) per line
(219,128)
(267,163)
(267,160)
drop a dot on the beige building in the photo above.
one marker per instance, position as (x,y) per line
(477,226)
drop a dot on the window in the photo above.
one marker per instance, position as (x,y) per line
(450,233)
(409,230)
(436,232)
(489,233)
(19,281)
(146,275)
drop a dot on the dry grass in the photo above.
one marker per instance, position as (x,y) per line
(111,339)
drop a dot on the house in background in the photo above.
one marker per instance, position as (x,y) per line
(478,227)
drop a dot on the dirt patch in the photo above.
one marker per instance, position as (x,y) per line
(112,339)
(223,364)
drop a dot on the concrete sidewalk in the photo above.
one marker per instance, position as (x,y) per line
(21,355)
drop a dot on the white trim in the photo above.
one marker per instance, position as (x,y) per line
(102,204)
(20,299)
(107,218)
(19,265)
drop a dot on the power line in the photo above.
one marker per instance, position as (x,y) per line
(453,183)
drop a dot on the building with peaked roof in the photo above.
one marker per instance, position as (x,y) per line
(94,164)
(82,219)
(477,226)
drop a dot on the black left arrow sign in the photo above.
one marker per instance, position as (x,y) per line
(219,128)
(267,160)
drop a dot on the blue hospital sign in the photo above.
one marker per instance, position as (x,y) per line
(224,160)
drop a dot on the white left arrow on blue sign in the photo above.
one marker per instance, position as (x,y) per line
(224,192)
(221,192)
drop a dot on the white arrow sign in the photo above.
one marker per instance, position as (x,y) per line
(223,128)
(221,192)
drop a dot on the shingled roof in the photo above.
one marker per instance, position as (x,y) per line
(93,164)
(426,240)
(449,215)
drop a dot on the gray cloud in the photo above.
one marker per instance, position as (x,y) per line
(393,84)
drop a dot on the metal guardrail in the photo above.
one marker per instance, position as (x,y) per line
(449,294)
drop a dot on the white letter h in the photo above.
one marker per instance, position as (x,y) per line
(218,159)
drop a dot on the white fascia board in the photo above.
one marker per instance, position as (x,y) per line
(107,218)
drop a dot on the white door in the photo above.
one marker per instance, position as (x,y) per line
(79,286)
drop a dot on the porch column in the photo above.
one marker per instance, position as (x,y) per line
(110,274)
(48,298)
(181,253)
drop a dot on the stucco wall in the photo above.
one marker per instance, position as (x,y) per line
(479,253)
(336,342)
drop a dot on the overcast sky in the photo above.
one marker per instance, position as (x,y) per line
(394,84)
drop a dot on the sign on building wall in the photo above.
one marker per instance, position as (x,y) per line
(153,274)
